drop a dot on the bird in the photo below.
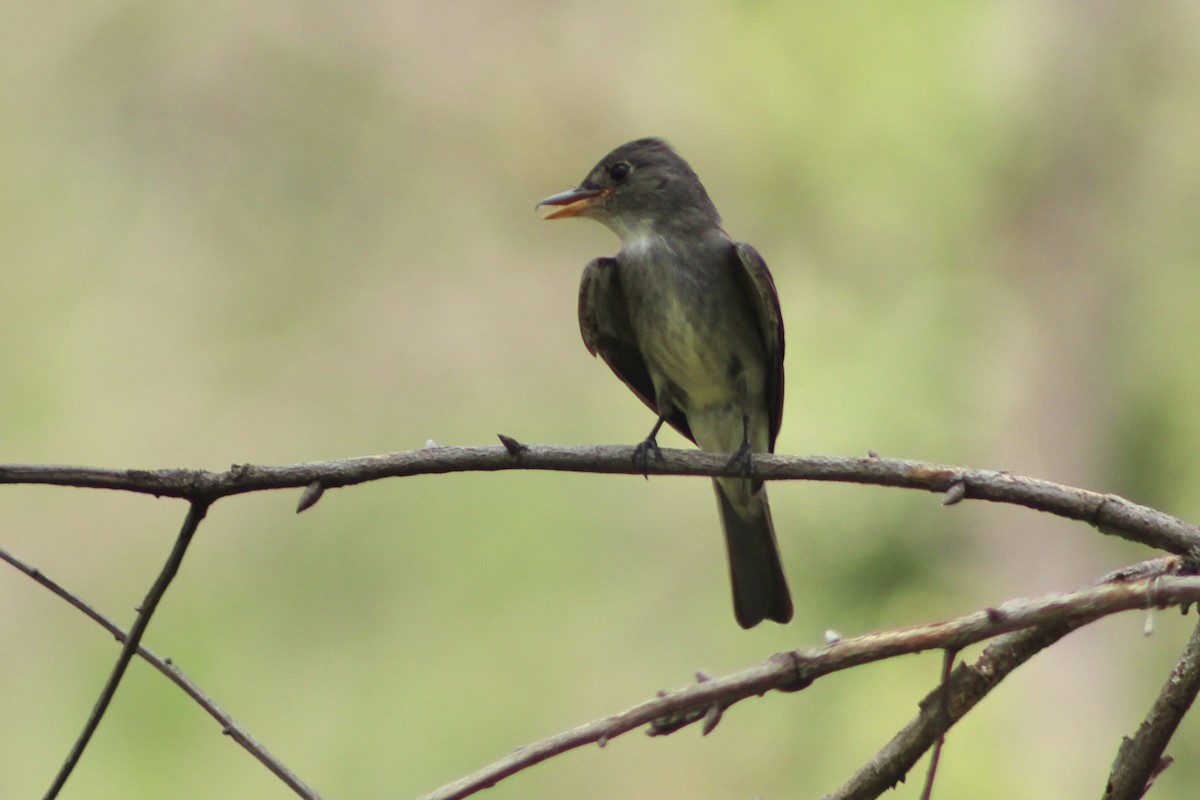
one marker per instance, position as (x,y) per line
(689,320)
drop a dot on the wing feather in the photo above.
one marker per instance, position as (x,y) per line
(607,332)
(759,288)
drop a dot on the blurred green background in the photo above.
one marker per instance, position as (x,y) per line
(276,232)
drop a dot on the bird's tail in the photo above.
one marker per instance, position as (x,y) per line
(760,589)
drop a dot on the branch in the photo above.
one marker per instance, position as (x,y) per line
(970,684)
(795,670)
(967,686)
(229,725)
(1108,513)
(191,522)
(1140,759)
(787,672)
(943,697)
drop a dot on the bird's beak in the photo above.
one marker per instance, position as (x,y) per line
(573,202)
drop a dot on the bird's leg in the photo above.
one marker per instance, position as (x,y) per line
(641,453)
(743,456)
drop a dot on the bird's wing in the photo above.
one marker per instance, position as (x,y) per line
(759,289)
(607,332)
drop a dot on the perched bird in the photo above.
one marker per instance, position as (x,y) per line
(689,319)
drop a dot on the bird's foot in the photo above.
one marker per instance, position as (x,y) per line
(742,458)
(641,455)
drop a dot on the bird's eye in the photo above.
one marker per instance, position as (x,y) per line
(619,171)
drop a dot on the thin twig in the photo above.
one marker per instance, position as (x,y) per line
(1140,759)
(943,722)
(791,671)
(177,676)
(196,512)
(1108,513)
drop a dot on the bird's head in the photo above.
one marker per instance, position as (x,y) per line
(641,187)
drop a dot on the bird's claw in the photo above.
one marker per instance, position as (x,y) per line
(641,455)
(743,458)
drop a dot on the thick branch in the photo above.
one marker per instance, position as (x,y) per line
(795,670)
(1109,513)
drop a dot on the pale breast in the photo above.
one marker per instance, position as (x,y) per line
(693,326)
